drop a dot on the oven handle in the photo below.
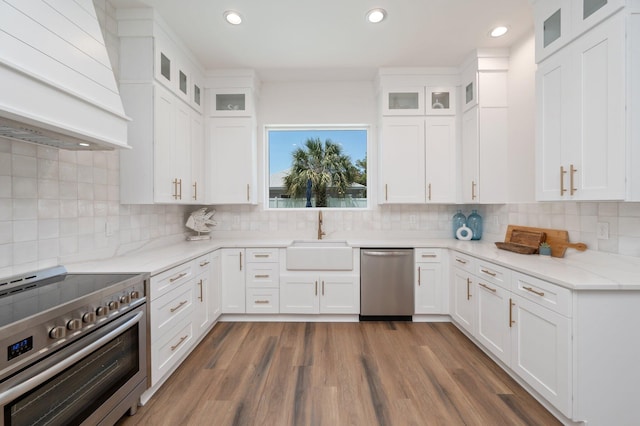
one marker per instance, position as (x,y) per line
(35,381)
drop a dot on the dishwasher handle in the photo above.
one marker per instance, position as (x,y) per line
(387,253)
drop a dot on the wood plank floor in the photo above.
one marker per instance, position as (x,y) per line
(368,373)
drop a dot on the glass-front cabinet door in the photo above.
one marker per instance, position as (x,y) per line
(231,103)
(552,20)
(588,13)
(403,101)
(440,101)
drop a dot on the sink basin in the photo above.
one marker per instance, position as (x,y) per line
(319,255)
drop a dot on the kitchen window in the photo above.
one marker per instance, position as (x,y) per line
(317,167)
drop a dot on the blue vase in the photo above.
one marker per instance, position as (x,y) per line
(474,222)
(459,219)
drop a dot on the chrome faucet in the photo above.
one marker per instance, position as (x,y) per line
(320,231)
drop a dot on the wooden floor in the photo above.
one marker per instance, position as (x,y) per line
(368,373)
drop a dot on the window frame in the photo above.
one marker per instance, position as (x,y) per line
(313,127)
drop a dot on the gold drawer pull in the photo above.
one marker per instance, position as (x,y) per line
(468,288)
(261,276)
(464,262)
(205,263)
(493,274)
(182,339)
(261,302)
(261,255)
(178,277)
(178,307)
(511,305)
(430,255)
(539,293)
(487,287)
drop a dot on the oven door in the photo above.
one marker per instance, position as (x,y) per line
(92,381)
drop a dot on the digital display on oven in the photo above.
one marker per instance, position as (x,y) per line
(18,348)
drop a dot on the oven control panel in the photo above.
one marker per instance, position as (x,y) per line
(19,348)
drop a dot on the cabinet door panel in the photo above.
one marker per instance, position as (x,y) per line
(470,156)
(463,300)
(493,319)
(440,165)
(233,281)
(541,351)
(402,160)
(428,289)
(215,287)
(299,295)
(164,136)
(339,295)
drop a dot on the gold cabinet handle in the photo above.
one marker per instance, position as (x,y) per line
(539,293)
(261,302)
(487,287)
(464,262)
(180,305)
(175,189)
(261,276)
(180,188)
(323,287)
(468,288)
(261,255)
(473,190)
(511,305)
(182,339)
(488,272)
(195,190)
(429,192)
(248,199)
(201,297)
(430,255)
(386,192)
(241,261)
(419,268)
(562,173)
(316,288)
(572,172)
(205,263)
(177,277)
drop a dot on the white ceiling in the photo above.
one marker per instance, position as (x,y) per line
(333,34)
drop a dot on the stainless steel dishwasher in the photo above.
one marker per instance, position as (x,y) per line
(386,283)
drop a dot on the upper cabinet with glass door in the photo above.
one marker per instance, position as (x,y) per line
(557,22)
(441,101)
(419,100)
(231,102)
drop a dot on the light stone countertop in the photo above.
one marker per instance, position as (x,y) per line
(589,270)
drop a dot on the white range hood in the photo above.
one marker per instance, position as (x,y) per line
(57,85)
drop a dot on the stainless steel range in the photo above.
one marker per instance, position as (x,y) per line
(73,347)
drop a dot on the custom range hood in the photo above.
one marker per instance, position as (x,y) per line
(57,86)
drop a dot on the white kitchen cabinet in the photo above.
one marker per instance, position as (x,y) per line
(417,159)
(430,287)
(232,265)
(541,354)
(313,293)
(232,161)
(408,100)
(440,101)
(197,182)
(581,133)
(231,102)
(215,287)
(463,302)
(202,292)
(402,160)
(262,281)
(493,319)
(484,156)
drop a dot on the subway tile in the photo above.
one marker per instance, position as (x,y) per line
(48,249)
(23,148)
(6,186)
(48,188)
(68,172)
(85,191)
(24,166)
(85,158)
(6,232)
(68,156)
(5,164)
(48,169)
(5,145)
(85,174)
(47,152)
(24,187)
(68,208)
(629,209)
(68,245)
(25,252)
(6,209)
(629,226)
(24,209)
(68,190)
(48,228)
(48,209)
(25,230)
(69,227)
(6,256)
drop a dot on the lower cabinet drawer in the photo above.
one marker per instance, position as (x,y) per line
(169,349)
(263,275)
(168,310)
(263,301)
(546,294)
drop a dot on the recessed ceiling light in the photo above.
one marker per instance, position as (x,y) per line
(499,31)
(83,144)
(233,17)
(376,15)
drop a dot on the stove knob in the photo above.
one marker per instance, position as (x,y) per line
(101,311)
(89,317)
(57,332)
(74,324)
(114,305)
(135,294)
(125,299)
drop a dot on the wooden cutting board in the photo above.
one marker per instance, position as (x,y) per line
(527,238)
(557,238)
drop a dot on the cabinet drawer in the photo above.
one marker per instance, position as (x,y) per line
(428,255)
(201,264)
(168,280)
(263,275)
(170,349)
(263,301)
(463,261)
(493,273)
(262,255)
(549,295)
(170,309)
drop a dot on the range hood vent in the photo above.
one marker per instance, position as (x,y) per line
(57,86)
